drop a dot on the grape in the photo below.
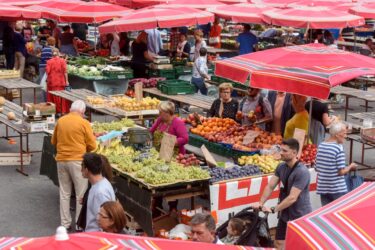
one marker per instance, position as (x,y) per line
(99,127)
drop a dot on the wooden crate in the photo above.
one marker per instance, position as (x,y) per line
(14,159)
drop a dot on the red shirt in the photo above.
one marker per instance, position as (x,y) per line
(56,69)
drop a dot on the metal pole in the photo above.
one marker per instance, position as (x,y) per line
(310,117)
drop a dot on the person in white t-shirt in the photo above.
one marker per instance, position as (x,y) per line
(200,72)
(203,229)
(114,43)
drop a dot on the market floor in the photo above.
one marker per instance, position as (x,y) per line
(29,206)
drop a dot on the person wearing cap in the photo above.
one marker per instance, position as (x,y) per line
(72,137)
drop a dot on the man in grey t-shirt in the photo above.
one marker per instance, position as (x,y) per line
(294,198)
(100,192)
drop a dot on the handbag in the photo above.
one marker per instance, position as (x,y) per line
(353,180)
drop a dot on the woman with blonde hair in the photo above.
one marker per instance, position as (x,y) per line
(225,106)
(169,123)
(199,43)
(111,217)
(140,55)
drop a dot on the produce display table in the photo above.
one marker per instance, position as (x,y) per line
(17,126)
(198,152)
(367,96)
(82,94)
(357,138)
(100,84)
(137,197)
(363,115)
(196,100)
(19,84)
(213,50)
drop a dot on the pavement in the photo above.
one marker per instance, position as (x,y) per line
(29,206)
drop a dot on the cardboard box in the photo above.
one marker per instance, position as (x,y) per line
(39,126)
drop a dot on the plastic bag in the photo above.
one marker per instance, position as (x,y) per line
(353,180)
(43,82)
(180,231)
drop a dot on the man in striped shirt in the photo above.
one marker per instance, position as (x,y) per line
(331,167)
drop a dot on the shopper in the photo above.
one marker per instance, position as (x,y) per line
(215,32)
(111,218)
(300,119)
(108,174)
(54,29)
(72,138)
(200,72)
(9,46)
(225,106)
(67,43)
(254,108)
(114,44)
(199,43)
(20,49)
(330,165)
(44,32)
(183,47)
(100,192)
(27,32)
(140,56)
(203,229)
(320,120)
(124,44)
(281,109)
(294,198)
(154,42)
(246,41)
(57,79)
(168,122)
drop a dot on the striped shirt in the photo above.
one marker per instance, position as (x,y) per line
(45,56)
(329,160)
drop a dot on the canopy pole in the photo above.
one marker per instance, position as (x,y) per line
(309,126)
(95,37)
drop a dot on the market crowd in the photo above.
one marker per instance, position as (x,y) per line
(97,208)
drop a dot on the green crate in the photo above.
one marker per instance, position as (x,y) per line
(167,73)
(176,87)
(118,74)
(182,70)
(182,62)
(196,140)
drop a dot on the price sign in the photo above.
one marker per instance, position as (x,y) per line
(167,146)
(208,156)
(250,137)
(138,89)
(299,135)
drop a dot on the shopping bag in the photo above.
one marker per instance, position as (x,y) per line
(353,180)
(43,82)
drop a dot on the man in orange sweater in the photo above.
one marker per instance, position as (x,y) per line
(73,137)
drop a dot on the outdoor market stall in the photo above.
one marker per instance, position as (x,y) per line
(19,84)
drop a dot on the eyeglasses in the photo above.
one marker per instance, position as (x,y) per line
(225,92)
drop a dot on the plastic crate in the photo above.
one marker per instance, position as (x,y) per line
(167,73)
(118,74)
(176,87)
(196,140)
(182,62)
(182,70)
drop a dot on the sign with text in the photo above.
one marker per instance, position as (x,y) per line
(167,147)
(208,156)
(138,89)
(250,137)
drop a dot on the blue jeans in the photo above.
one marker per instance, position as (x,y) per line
(199,85)
(328,198)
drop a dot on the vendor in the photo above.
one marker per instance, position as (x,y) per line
(67,42)
(114,44)
(254,108)
(171,124)
(183,47)
(281,109)
(140,56)
(300,119)
(225,106)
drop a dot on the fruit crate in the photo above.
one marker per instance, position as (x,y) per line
(176,87)
(238,153)
(181,62)
(196,140)
(167,73)
(118,74)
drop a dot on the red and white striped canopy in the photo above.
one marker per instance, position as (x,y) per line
(197,4)
(241,13)
(14,12)
(366,10)
(22,3)
(342,5)
(151,18)
(80,12)
(274,3)
(314,18)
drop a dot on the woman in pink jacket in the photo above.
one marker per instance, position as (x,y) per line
(171,124)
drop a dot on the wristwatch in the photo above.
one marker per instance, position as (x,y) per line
(273,210)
